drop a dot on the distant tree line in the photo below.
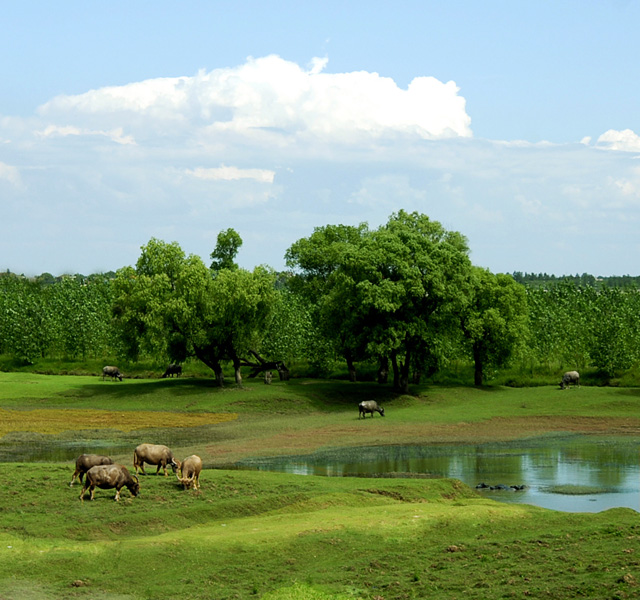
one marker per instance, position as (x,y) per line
(585,280)
(403,297)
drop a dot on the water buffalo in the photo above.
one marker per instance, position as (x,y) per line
(107,477)
(369,406)
(570,377)
(154,455)
(85,461)
(112,372)
(172,370)
(190,472)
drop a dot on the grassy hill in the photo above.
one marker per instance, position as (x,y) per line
(284,537)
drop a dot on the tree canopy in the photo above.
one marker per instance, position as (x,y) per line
(380,291)
(172,304)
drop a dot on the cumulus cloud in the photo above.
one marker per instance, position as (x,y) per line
(626,140)
(275,149)
(277,95)
(225,173)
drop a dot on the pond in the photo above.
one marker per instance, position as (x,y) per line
(573,474)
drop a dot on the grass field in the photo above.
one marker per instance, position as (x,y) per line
(285,537)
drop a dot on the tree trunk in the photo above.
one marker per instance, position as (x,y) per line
(405,369)
(264,365)
(283,372)
(352,369)
(396,371)
(237,370)
(404,376)
(478,365)
(383,370)
(212,363)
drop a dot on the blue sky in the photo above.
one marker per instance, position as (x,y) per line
(515,123)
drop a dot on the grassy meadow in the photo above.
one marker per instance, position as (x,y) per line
(286,537)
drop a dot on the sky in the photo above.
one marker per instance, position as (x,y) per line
(515,123)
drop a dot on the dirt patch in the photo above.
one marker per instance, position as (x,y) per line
(52,421)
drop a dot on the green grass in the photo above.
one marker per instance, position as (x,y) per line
(285,537)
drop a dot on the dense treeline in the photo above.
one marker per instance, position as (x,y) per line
(586,280)
(404,298)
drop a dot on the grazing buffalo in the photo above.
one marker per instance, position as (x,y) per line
(112,372)
(85,461)
(107,477)
(570,377)
(172,370)
(369,406)
(154,455)
(190,472)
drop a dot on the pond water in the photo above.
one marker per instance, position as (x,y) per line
(576,474)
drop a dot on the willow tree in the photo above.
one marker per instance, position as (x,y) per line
(171,304)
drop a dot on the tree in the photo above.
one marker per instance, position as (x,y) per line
(616,330)
(382,292)
(224,254)
(27,325)
(494,320)
(320,261)
(171,304)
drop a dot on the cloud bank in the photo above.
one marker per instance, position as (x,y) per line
(274,149)
(274,95)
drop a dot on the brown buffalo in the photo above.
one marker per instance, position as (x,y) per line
(107,477)
(190,472)
(369,406)
(85,461)
(172,370)
(568,378)
(112,372)
(154,454)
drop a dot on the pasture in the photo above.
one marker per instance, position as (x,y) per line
(280,537)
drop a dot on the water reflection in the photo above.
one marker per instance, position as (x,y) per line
(604,472)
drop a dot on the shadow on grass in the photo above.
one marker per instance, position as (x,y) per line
(322,395)
(124,389)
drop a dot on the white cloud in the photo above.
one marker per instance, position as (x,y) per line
(626,140)
(346,148)
(115,135)
(10,174)
(276,95)
(225,173)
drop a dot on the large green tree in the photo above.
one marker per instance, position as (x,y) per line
(382,292)
(319,261)
(494,320)
(173,305)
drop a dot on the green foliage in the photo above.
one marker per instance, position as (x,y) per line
(494,321)
(66,317)
(585,326)
(224,254)
(382,294)
(171,305)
